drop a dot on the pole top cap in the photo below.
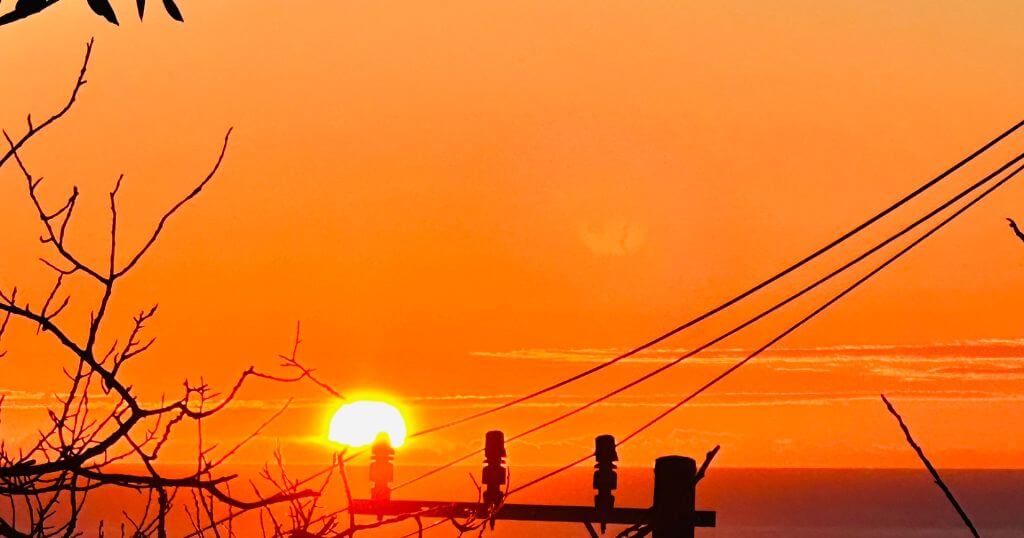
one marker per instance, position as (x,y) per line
(675,466)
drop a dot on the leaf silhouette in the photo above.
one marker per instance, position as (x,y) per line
(29,5)
(103,9)
(172,10)
(142,7)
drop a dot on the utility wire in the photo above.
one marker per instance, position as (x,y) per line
(728,304)
(738,328)
(785,333)
(803,261)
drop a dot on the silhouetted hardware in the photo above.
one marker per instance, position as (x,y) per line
(606,480)
(673,513)
(382,470)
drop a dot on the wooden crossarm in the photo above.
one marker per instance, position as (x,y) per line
(517,512)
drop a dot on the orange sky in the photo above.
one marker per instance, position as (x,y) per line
(463,202)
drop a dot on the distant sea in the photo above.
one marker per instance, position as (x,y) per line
(751,503)
(806,503)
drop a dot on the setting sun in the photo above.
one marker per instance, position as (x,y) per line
(517,267)
(359,423)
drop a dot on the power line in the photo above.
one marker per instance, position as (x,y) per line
(793,267)
(788,331)
(764,313)
(766,346)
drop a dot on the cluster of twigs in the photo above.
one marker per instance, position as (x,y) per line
(45,484)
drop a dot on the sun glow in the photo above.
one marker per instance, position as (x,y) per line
(359,423)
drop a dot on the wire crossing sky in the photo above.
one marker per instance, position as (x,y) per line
(853,262)
(448,197)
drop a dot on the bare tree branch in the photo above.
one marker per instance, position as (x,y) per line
(35,129)
(707,463)
(163,220)
(931,469)
(46,481)
(1016,230)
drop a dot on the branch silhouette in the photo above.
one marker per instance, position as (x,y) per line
(707,463)
(931,469)
(85,447)
(1016,229)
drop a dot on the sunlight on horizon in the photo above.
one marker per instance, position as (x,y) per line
(359,423)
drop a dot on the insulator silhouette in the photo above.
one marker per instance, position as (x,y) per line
(382,468)
(606,480)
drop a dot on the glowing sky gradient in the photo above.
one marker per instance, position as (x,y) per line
(462,202)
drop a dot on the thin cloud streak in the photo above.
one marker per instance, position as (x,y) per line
(979,359)
(734,399)
(970,349)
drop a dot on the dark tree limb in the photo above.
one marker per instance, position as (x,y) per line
(167,215)
(707,463)
(46,480)
(35,129)
(7,530)
(1016,230)
(931,469)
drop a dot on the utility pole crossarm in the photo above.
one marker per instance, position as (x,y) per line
(673,513)
(517,512)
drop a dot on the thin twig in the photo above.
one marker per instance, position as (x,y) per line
(1016,229)
(931,469)
(707,463)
